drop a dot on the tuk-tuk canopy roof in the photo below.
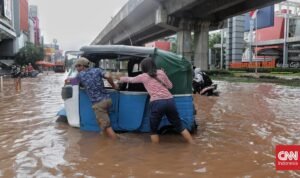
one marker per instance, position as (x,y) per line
(74,53)
(178,69)
(113,51)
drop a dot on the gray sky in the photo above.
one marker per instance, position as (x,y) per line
(74,23)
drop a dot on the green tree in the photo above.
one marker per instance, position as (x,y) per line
(173,47)
(29,54)
(214,39)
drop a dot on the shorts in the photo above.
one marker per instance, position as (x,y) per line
(167,107)
(101,110)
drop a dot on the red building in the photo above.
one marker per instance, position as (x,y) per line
(272,47)
(271,33)
(24,15)
(33,11)
(37,33)
(164,45)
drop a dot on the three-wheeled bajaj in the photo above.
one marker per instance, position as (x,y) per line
(130,109)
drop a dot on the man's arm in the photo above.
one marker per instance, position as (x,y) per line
(137,79)
(73,80)
(110,80)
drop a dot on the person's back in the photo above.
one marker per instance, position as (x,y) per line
(207,80)
(13,71)
(92,80)
(155,89)
(198,76)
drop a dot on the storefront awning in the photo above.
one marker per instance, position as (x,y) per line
(6,33)
(45,63)
(7,62)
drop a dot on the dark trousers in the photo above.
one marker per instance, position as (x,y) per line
(160,108)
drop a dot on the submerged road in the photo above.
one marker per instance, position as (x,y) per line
(237,135)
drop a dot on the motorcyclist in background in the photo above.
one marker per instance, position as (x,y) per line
(202,83)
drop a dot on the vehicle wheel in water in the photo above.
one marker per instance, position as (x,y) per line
(62,119)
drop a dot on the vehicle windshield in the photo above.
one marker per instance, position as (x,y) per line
(73,72)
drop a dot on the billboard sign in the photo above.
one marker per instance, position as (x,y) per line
(263,18)
(8,9)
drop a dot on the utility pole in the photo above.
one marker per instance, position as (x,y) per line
(286,35)
(250,40)
(256,43)
(222,41)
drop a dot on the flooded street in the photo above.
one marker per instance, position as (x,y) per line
(236,137)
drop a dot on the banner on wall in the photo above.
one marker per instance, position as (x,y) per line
(264,18)
(8,9)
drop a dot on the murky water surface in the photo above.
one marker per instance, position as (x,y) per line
(237,136)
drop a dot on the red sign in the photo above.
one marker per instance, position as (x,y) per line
(287,157)
(258,64)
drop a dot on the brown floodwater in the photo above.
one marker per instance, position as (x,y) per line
(236,137)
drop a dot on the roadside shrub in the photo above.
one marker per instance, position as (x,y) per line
(268,77)
(248,76)
(269,70)
(218,72)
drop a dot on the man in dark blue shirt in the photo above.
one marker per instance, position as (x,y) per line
(91,79)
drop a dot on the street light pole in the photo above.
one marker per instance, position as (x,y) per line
(256,44)
(250,40)
(222,41)
(286,32)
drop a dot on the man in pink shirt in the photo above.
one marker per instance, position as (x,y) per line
(162,103)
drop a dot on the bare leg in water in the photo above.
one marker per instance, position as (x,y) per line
(187,136)
(185,133)
(111,133)
(155,138)
(18,83)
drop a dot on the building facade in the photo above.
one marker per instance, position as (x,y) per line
(7,30)
(33,14)
(19,24)
(269,39)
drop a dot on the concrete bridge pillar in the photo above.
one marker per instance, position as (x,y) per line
(201,45)
(184,39)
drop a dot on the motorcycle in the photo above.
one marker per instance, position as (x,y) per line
(203,85)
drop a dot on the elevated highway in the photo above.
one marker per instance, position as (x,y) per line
(142,21)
